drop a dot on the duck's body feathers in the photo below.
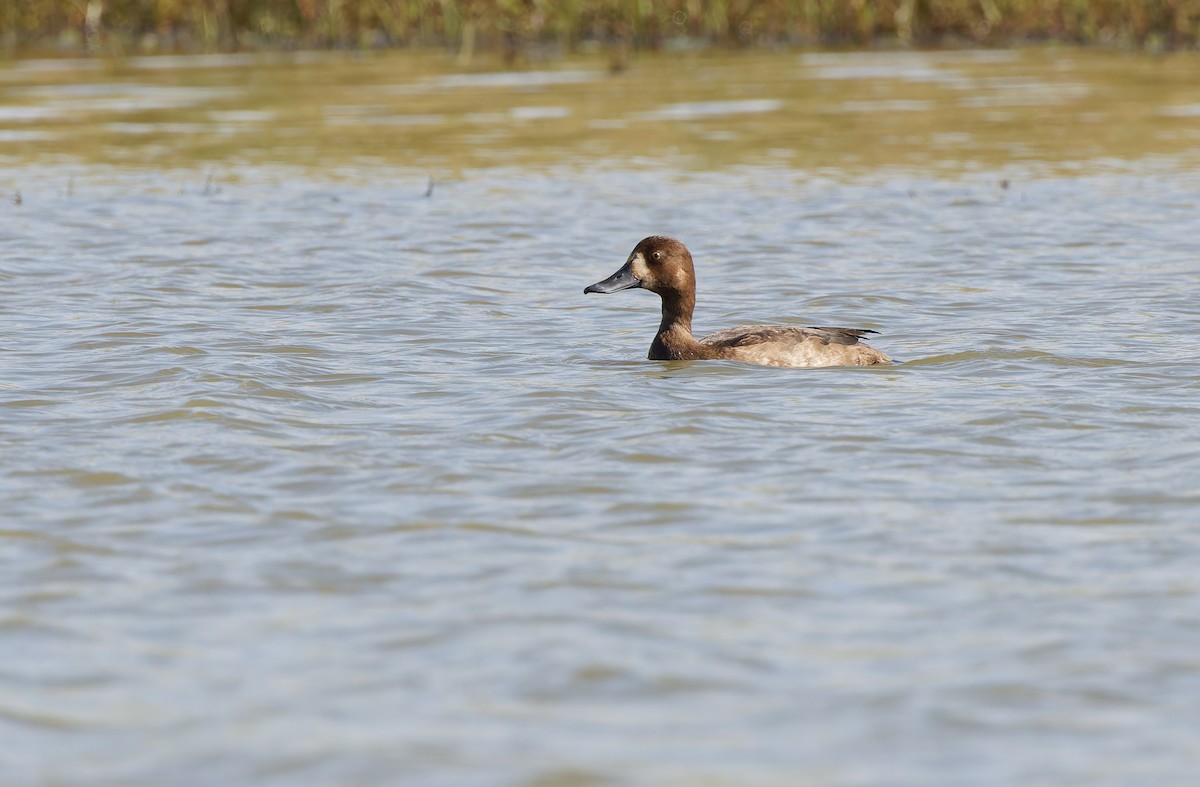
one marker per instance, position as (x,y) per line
(783,345)
(745,335)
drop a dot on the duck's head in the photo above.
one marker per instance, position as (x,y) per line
(659,264)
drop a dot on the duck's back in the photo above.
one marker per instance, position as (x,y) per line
(786,345)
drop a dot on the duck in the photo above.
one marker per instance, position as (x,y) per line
(663,265)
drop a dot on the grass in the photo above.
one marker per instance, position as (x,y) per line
(520,28)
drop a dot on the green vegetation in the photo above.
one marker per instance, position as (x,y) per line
(526,26)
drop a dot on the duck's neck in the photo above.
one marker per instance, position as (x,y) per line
(674,340)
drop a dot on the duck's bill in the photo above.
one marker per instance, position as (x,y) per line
(621,280)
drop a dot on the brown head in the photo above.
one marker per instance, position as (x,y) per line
(659,264)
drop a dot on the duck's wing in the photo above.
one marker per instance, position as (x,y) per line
(843,335)
(748,335)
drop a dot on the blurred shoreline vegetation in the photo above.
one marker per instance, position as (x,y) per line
(543,28)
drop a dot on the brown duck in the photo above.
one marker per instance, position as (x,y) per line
(664,265)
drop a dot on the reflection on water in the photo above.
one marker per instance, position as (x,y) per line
(330,474)
(825,109)
(109,97)
(525,80)
(695,110)
(1185,110)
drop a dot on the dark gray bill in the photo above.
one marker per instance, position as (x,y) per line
(621,280)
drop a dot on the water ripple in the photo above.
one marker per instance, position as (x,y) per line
(326,481)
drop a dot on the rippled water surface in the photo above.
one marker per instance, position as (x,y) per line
(322,472)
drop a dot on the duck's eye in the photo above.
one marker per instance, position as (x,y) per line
(656,255)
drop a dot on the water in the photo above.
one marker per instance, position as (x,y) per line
(311,478)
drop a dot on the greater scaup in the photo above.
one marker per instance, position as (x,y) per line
(664,265)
